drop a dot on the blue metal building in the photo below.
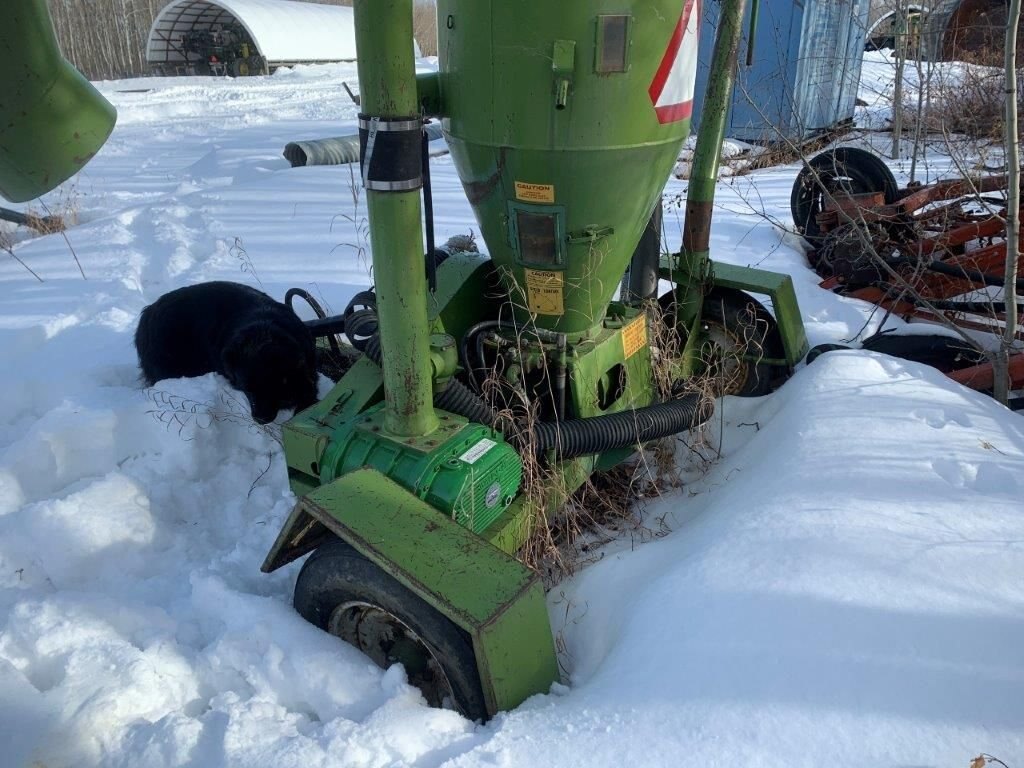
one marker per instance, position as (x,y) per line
(800,77)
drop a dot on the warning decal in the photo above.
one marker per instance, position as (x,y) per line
(634,337)
(478,450)
(671,90)
(544,292)
(535,193)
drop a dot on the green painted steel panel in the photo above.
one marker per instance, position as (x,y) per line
(515,651)
(493,597)
(604,155)
(52,121)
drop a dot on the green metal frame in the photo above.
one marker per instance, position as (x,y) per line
(491,596)
(776,285)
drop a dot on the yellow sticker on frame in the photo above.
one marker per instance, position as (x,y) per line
(544,292)
(535,193)
(634,337)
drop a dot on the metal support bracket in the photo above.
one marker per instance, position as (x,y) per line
(776,285)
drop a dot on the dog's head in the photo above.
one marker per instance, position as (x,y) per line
(273,368)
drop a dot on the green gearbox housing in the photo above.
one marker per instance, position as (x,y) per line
(463,470)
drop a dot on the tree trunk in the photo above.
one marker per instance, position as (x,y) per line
(1012,142)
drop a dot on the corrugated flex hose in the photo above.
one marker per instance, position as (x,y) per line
(581,437)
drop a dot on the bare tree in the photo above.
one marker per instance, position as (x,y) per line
(1012,149)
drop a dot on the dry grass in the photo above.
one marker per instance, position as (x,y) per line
(569,525)
(46,220)
(968,101)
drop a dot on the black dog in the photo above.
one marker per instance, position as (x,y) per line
(259,345)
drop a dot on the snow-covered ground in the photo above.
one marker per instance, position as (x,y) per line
(844,587)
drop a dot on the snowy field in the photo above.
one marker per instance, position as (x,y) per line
(843,587)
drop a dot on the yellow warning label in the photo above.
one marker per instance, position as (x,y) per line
(535,193)
(544,292)
(634,337)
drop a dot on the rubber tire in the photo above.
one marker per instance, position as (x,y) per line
(815,352)
(727,308)
(942,352)
(821,176)
(336,573)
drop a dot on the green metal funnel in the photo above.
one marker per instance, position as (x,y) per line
(564,120)
(52,121)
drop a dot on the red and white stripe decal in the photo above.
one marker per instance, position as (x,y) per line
(671,90)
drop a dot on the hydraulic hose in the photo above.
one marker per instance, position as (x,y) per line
(289,299)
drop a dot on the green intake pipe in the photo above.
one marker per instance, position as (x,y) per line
(700,195)
(52,121)
(387,86)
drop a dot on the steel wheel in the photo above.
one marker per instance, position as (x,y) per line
(739,335)
(839,171)
(388,640)
(354,599)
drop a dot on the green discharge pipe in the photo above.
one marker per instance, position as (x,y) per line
(52,121)
(694,261)
(755,9)
(700,195)
(387,84)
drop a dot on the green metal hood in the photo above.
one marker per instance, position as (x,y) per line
(52,121)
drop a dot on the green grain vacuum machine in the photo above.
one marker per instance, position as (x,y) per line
(481,391)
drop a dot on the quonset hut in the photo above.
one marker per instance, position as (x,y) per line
(243,37)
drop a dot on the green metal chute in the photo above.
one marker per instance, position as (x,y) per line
(52,120)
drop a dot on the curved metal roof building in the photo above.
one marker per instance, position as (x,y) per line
(281,31)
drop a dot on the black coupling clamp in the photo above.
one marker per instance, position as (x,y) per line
(390,153)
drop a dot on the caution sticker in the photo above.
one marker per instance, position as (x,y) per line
(535,193)
(544,292)
(634,337)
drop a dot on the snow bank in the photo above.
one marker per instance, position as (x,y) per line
(842,588)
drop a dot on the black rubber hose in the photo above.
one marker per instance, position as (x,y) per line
(460,399)
(456,397)
(289,298)
(464,349)
(581,437)
(326,326)
(361,326)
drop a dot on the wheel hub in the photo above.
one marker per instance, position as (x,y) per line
(723,357)
(388,640)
